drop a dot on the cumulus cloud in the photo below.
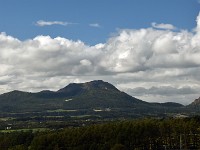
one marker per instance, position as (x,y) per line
(163,26)
(151,64)
(96,25)
(198,22)
(42,23)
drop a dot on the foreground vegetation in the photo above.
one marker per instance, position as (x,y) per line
(134,134)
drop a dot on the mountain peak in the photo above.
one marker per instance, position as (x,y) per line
(74,89)
(95,84)
(196,102)
(99,84)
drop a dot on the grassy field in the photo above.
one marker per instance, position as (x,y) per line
(6,119)
(25,130)
(61,110)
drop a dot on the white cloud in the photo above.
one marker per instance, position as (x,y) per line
(42,23)
(96,25)
(151,64)
(198,1)
(85,62)
(163,26)
(198,22)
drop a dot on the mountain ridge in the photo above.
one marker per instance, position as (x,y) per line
(196,102)
(88,95)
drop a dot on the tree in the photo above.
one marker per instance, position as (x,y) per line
(118,147)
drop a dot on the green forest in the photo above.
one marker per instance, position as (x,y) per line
(140,134)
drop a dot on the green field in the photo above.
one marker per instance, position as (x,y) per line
(25,130)
(61,110)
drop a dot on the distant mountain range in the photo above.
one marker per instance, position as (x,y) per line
(94,95)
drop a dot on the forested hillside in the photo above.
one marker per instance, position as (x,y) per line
(128,135)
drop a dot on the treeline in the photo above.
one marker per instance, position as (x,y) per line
(128,135)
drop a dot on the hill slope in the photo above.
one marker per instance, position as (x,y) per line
(196,102)
(94,94)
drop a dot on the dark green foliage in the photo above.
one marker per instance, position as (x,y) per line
(15,140)
(145,134)
(118,147)
(127,135)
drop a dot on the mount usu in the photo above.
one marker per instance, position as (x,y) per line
(90,98)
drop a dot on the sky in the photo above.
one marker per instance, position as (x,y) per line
(149,49)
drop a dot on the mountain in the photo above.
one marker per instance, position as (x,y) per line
(170,104)
(195,102)
(194,107)
(94,94)
(97,94)
(89,96)
(76,89)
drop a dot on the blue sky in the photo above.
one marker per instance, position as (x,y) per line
(18,18)
(147,48)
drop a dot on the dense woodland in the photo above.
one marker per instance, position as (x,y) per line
(134,134)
